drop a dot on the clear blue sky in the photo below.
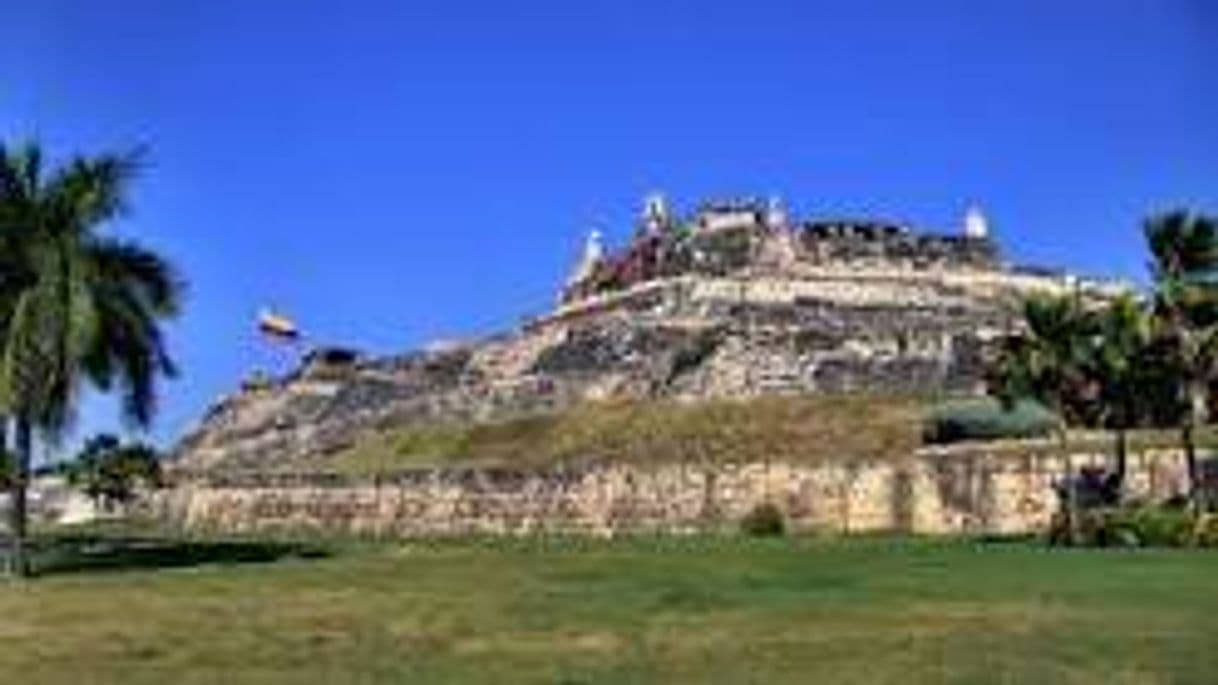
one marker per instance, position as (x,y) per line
(394,172)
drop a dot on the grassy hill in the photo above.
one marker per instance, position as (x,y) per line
(794,429)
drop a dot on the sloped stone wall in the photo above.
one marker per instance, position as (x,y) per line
(805,328)
(1000,490)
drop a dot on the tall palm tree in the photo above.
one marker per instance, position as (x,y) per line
(1188,352)
(1048,361)
(1183,247)
(1184,250)
(1119,370)
(76,306)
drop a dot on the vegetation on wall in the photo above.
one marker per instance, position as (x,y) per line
(986,418)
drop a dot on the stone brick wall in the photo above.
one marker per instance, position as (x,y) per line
(963,490)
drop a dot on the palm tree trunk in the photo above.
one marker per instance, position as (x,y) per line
(19,564)
(1071,486)
(1122,461)
(1190,459)
(1197,416)
(6,460)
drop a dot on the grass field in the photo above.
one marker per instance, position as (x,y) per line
(700,610)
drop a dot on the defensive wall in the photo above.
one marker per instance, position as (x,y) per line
(996,489)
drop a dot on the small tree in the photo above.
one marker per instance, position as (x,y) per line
(109,471)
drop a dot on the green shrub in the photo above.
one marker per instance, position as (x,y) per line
(1146,526)
(1160,527)
(1096,528)
(1205,532)
(765,520)
(985,418)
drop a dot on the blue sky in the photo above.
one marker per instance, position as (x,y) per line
(394,172)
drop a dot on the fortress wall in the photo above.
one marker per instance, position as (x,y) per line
(971,490)
(845,285)
(804,329)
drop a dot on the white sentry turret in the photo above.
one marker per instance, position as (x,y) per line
(975,223)
(594,252)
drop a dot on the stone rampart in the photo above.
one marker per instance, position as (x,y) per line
(942,491)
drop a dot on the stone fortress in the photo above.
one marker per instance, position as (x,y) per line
(737,298)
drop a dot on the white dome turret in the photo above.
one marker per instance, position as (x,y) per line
(975,224)
(594,251)
(775,215)
(655,213)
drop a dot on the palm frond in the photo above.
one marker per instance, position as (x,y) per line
(77,306)
(150,278)
(89,191)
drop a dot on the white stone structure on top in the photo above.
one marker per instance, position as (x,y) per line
(655,213)
(594,252)
(776,218)
(975,223)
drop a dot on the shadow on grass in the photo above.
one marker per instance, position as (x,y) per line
(68,554)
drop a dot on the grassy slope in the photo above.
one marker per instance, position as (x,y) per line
(797,429)
(631,611)
(803,429)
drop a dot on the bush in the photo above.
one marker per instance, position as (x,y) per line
(1156,526)
(1132,527)
(986,419)
(1205,533)
(765,520)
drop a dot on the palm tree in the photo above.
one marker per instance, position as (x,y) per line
(1119,371)
(1184,248)
(1188,352)
(1048,361)
(76,306)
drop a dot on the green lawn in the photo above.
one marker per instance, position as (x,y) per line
(701,610)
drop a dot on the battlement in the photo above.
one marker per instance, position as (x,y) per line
(722,238)
(871,242)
